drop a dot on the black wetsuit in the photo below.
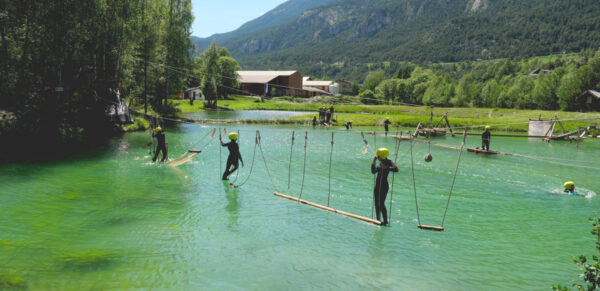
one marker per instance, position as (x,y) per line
(162,146)
(386,126)
(382,187)
(233,159)
(314,121)
(348,125)
(485,140)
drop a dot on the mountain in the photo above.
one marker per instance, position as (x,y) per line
(282,14)
(346,38)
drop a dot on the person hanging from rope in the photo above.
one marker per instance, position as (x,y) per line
(485,138)
(159,134)
(386,125)
(381,182)
(234,155)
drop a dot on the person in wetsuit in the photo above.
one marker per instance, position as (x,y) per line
(159,134)
(386,126)
(381,182)
(348,125)
(485,138)
(234,155)
(314,121)
(570,187)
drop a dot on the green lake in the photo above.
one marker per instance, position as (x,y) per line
(110,219)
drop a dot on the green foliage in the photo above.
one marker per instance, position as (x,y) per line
(217,71)
(591,269)
(61,63)
(372,80)
(367,97)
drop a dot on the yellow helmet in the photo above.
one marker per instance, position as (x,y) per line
(233,136)
(382,153)
(158,129)
(569,185)
(487,127)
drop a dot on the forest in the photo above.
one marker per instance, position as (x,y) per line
(63,62)
(503,83)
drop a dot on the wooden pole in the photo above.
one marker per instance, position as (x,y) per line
(322,207)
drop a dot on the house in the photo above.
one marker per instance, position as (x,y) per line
(590,100)
(271,83)
(326,87)
(345,87)
(195,93)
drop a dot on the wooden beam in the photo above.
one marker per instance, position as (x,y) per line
(319,206)
(194,151)
(429,227)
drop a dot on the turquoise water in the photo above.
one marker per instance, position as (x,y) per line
(247,114)
(112,220)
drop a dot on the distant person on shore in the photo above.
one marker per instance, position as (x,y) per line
(159,134)
(348,125)
(381,182)
(314,121)
(234,155)
(485,138)
(328,115)
(331,112)
(386,125)
(569,187)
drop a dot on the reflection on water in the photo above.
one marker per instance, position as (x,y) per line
(111,220)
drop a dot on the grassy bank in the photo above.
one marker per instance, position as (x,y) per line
(403,115)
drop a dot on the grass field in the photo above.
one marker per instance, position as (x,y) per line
(403,115)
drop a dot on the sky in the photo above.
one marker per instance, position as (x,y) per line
(218,16)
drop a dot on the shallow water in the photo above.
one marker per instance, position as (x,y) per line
(247,114)
(110,219)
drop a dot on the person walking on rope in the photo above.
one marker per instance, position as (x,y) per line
(485,138)
(386,125)
(381,181)
(234,155)
(159,134)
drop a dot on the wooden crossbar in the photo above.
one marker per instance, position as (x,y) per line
(319,206)
(429,227)
(194,151)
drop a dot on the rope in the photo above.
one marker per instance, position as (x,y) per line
(412,163)
(374,176)
(330,159)
(220,151)
(291,152)
(251,165)
(265,162)
(393,179)
(454,178)
(304,168)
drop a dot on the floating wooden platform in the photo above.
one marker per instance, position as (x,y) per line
(319,206)
(482,151)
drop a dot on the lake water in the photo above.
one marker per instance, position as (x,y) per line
(109,219)
(247,114)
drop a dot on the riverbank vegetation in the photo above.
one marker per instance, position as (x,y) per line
(63,62)
(402,115)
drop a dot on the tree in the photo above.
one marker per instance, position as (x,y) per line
(367,97)
(372,80)
(209,68)
(591,270)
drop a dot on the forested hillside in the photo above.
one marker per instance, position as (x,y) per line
(282,14)
(62,62)
(347,38)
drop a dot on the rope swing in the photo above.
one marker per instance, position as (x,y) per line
(251,165)
(291,152)
(429,227)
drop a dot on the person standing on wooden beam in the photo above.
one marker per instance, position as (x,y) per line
(381,182)
(485,138)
